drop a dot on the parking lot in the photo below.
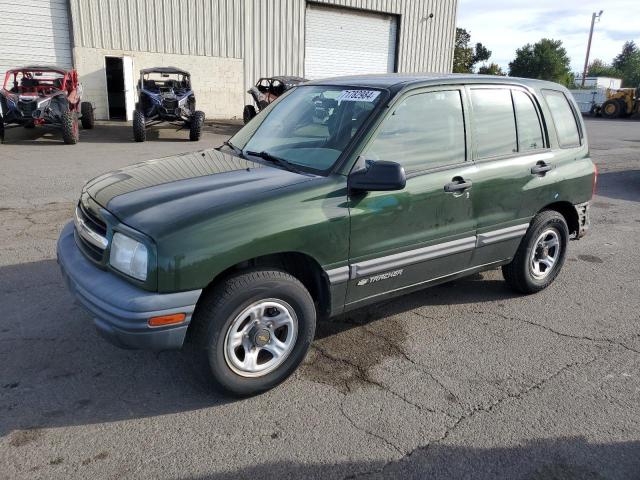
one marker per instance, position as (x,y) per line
(464,380)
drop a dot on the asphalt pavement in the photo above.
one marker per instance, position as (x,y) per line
(463,380)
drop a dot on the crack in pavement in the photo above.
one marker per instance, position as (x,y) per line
(473,412)
(362,375)
(562,334)
(422,368)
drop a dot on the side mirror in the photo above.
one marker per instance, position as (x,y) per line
(380,176)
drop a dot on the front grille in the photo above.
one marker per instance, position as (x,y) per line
(88,226)
(91,251)
(95,223)
(170,104)
(27,108)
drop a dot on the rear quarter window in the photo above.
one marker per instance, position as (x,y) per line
(563,117)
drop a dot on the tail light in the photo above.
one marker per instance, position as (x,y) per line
(595,180)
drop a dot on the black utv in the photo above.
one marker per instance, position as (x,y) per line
(165,95)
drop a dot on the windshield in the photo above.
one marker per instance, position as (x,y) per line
(310,126)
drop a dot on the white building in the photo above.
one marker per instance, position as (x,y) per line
(599,82)
(226,45)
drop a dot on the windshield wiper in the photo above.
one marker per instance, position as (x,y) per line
(276,160)
(236,150)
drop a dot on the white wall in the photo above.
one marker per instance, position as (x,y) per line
(217,82)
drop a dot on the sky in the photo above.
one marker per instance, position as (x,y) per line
(505,25)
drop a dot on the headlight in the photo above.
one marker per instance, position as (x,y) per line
(129,256)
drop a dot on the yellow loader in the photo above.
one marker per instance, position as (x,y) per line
(623,102)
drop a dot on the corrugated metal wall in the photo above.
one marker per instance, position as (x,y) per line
(274,34)
(268,34)
(189,27)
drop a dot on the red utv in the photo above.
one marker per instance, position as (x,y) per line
(44,96)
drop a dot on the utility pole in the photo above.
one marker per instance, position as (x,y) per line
(586,60)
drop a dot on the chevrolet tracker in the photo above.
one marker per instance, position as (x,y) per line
(339,194)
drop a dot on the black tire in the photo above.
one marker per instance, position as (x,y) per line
(195,129)
(70,128)
(88,118)
(623,108)
(612,108)
(519,274)
(29,125)
(248,113)
(139,128)
(221,306)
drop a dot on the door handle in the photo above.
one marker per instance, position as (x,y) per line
(541,168)
(458,184)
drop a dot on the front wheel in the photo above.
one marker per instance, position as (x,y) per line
(248,113)
(139,127)
(70,128)
(195,129)
(88,117)
(540,255)
(612,108)
(253,330)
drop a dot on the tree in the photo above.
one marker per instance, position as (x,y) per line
(491,69)
(598,68)
(629,49)
(546,60)
(628,64)
(465,57)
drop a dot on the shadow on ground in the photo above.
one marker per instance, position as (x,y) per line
(569,458)
(57,371)
(111,132)
(623,185)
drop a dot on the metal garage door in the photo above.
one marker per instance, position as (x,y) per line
(340,41)
(34,32)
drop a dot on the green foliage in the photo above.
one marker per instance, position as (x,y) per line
(465,57)
(481,53)
(545,60)
(491,69)
(628,64)
(598,68)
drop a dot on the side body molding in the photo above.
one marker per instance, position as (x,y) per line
(402,259)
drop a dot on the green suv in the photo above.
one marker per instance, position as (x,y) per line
(342,193)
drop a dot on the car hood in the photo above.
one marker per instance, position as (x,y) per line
(157,196)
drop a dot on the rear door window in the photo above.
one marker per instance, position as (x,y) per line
(563,118)
(529,127)
(424,131)
(494,124)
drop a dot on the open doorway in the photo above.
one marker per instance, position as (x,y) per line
(116,88)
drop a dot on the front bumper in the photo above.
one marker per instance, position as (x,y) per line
(120,309)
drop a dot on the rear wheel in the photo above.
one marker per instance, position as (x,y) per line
(612,108)
(253,330)
(195,129)
(70,128)
(540,255)
(88,119)
(139,128)
(248,113)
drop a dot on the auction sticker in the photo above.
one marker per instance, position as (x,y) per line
(358,95)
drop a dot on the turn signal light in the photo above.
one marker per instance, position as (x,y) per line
(163,320)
